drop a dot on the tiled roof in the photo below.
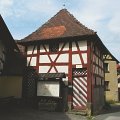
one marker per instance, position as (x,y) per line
(63,24)
(51,75)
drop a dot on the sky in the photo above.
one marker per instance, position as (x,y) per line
(103,16)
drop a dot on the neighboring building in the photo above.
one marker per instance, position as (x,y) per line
(118,73)
(111,79)
(11,64)
(64,45)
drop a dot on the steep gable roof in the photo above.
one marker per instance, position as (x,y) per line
(6,37)
(63,24)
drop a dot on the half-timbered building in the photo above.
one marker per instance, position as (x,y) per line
(64,45)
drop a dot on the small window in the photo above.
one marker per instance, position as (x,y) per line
(118,80)
(107,86)
(54,47)
(106,67)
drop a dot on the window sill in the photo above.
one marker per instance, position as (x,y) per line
(107,89)
(107,72)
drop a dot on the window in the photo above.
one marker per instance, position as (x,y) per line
(106,67)
(107,86)
(118,80)
(54,47)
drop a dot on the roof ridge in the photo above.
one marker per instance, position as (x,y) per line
(78,22)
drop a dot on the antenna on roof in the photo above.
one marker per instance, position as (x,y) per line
(64,6)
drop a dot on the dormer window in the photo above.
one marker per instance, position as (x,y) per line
(53,47)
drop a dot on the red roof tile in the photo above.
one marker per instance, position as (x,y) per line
(63,24)
(118,66)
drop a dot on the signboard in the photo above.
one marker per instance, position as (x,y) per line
(48,88)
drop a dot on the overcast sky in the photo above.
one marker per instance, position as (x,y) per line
(103,16)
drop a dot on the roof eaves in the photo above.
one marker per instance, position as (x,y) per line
(80,37)
(106,51)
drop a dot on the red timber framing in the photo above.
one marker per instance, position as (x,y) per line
(70,69)
(80,49)
(38,57)
(97,76)
(53,63)
(71,51)
(73,58)
(89,77)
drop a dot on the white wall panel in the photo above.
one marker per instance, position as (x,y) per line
(35,50)
(76,59)
(42,49)
(82,45)
(30,50)
(78,66)
(63,58)
(62,69)
(44,59)
(97,60)
(74,47)
(65,79)
(84,56)
(47,47)
(43,69)
(33,61)
(28,60)
(66,48)
(60,46)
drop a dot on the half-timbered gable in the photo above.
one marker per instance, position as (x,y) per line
(64,45)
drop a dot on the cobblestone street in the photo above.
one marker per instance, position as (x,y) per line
(32,114)
(24,113)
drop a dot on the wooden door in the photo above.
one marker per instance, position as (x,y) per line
(79,88)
